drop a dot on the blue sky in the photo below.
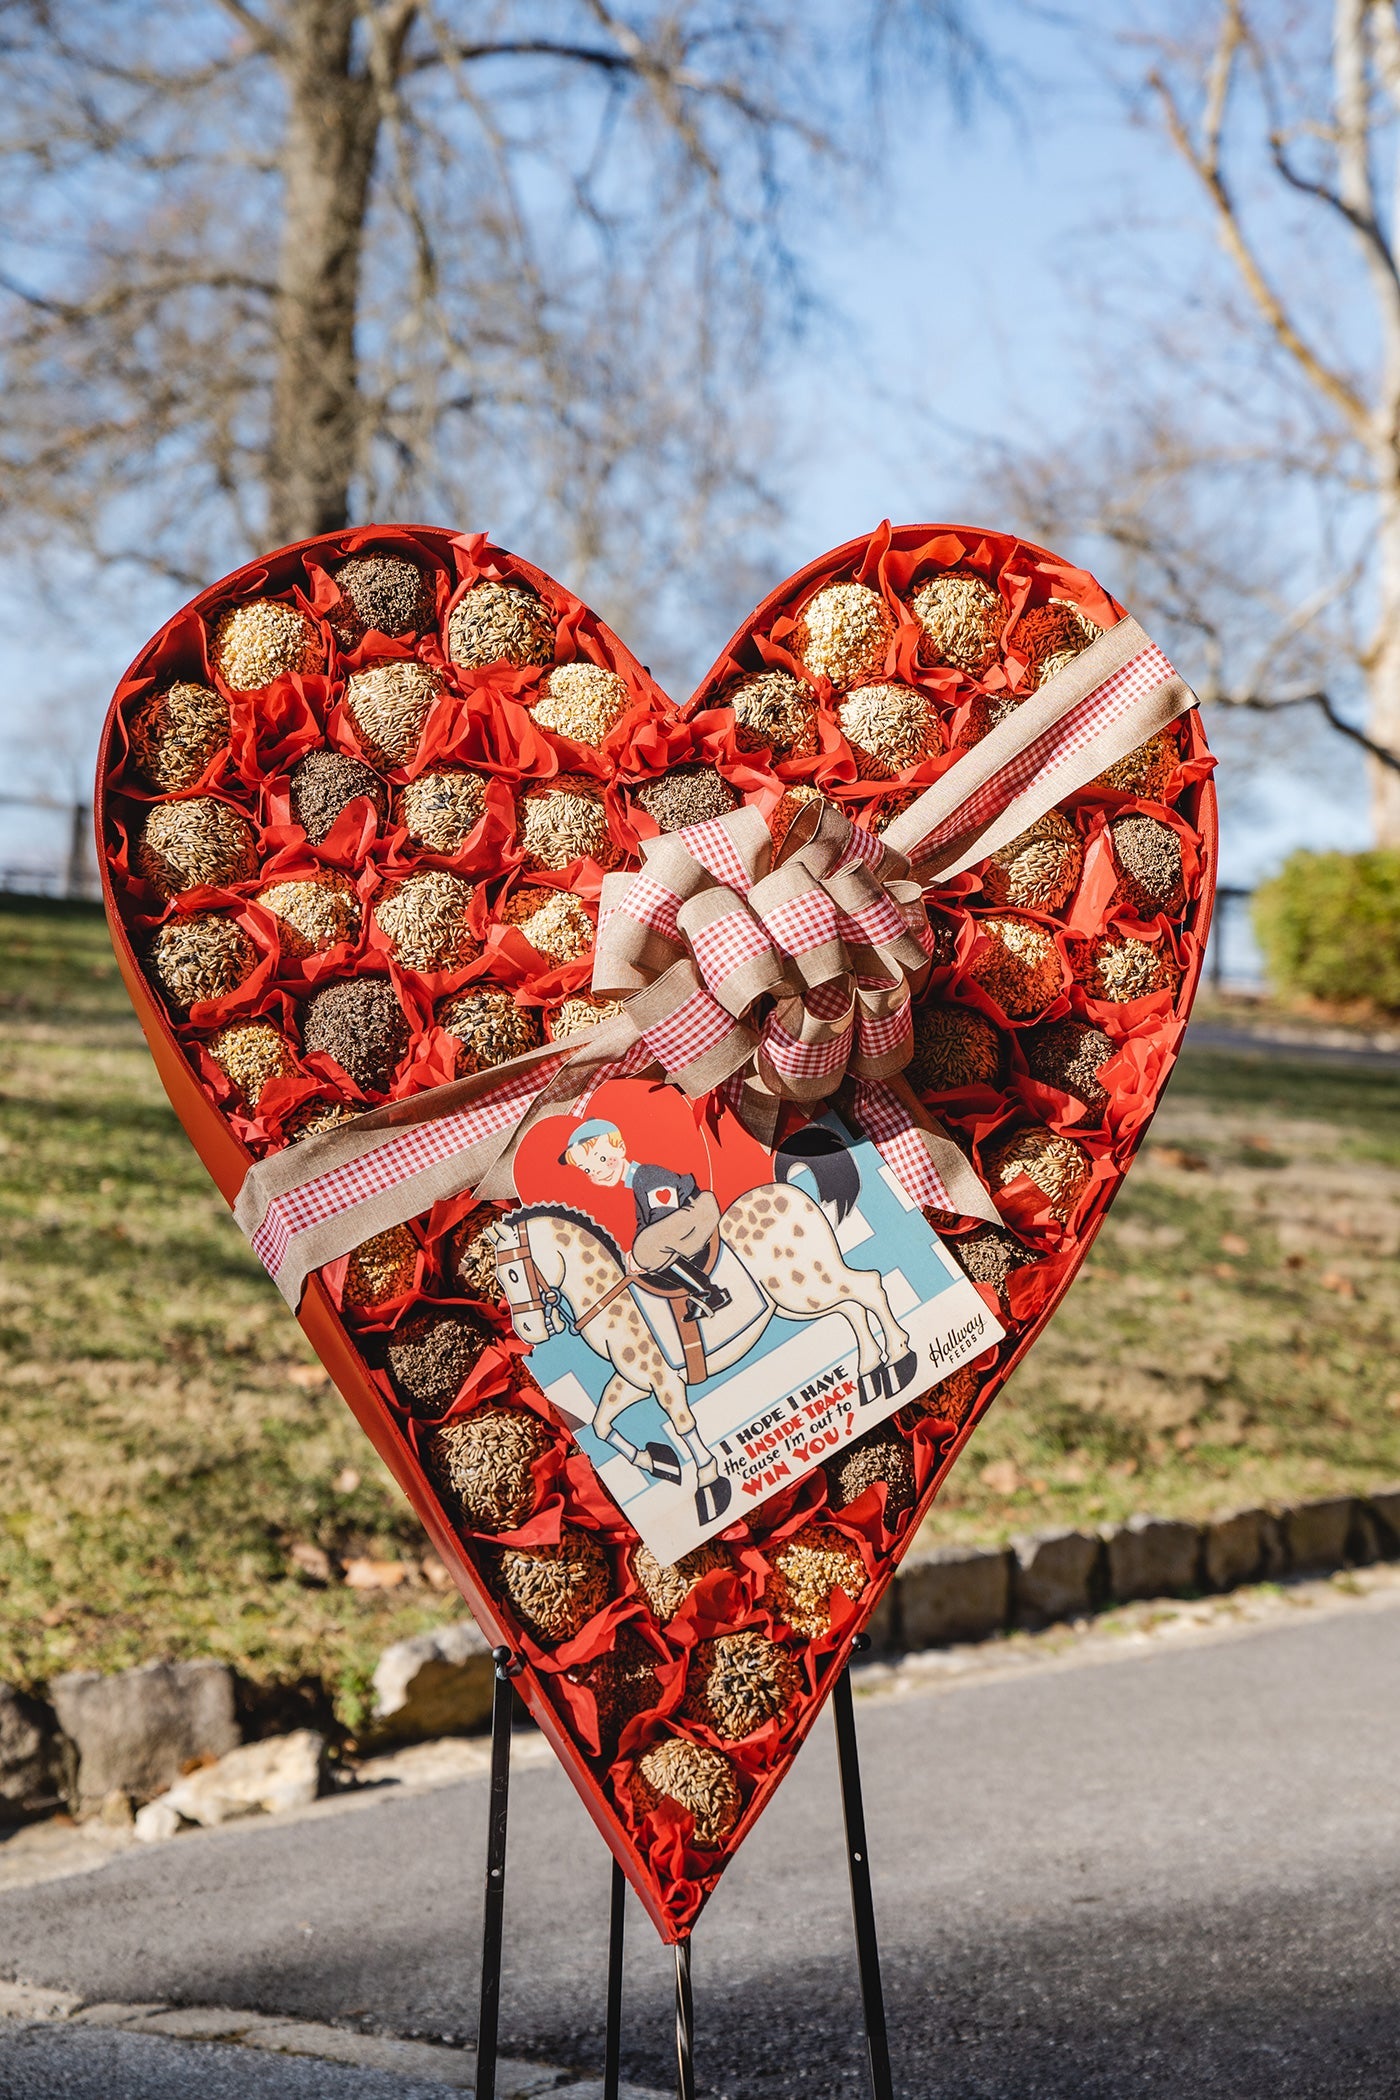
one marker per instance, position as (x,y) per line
(957,295)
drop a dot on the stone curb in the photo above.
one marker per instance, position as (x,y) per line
(971,1593)
(28,2004)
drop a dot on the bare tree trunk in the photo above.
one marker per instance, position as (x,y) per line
(327,161)
(1383,670)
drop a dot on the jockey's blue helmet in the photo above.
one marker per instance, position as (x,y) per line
(595,1127)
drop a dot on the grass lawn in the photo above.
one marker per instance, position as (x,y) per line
(166,1438)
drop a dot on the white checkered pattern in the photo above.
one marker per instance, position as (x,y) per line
(398,1159)
(794,1059)
(877,1034)
(895,1137)
(685,1035)
(878,923)
(649,903)
(1056,746)
(804,923)
(726,944)
(863,845)
(711,844)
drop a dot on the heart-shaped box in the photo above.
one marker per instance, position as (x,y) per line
(457,877)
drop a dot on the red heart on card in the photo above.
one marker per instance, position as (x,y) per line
(340,865)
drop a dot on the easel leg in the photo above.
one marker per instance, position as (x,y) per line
(685,2025)
(612,2048)
(488,2020)
(862,1902)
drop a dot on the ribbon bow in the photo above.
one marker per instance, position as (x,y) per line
(762,982)
(783,978)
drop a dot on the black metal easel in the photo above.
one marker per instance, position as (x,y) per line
(862,1907)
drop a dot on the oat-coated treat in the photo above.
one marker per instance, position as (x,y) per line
(1020,966)
(314,1118)
(380,1268)
(491,1026)
(1121,969)
(1049,637)
(581,700)
(794,800)
(738,1682)
(583,1011)
(961,616)
(1069,1054)
(441,810)
(473,1257)
(697,1779)
(954,1397)
(1038,870)
(555,1590)
(313,913)
(1146,771)
(263,640)
(686,795)
(773,711)
(878,816)
(425,917)
(202,957)
(325,783)
(387,592)
(563,820)
(481,1465)
(429,1356)
(666,1588)
(879,1455)
(1148,853)
(500,623)
(844,634)
(182,845)
(953,1047)
(175,733)
(552,921)
(807,1568)
(250,1053)
(359,1022)
(889,728)
(1057,1165)
(388,704)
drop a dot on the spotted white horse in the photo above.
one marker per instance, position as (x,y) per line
(562,1273)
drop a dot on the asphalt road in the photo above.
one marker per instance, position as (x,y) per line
(1177,1873)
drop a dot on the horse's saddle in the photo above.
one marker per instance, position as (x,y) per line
(685,1341)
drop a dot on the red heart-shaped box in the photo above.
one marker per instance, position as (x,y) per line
(1063,977)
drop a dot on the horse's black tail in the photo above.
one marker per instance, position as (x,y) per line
(827,1160)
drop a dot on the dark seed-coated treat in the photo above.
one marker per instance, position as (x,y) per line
(359,1023)
(326,782)
(666,1586)
(953,1047)
(989,1255)
(880,1455)
(496,623)
(624,1684)
(387,592)
(951,1400)
(474,1256)
(1148,853)
(490,1026)
(429,1357)
(1068,1054)
(687,795)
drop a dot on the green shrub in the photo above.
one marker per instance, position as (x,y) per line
(1329,926)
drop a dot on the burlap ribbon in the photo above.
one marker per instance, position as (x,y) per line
(761,978)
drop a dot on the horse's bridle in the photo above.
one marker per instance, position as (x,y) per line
(545,1298)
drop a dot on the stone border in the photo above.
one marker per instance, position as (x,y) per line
(970,1593)
(30,2005)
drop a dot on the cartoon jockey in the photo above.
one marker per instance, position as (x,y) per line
(677,1237)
